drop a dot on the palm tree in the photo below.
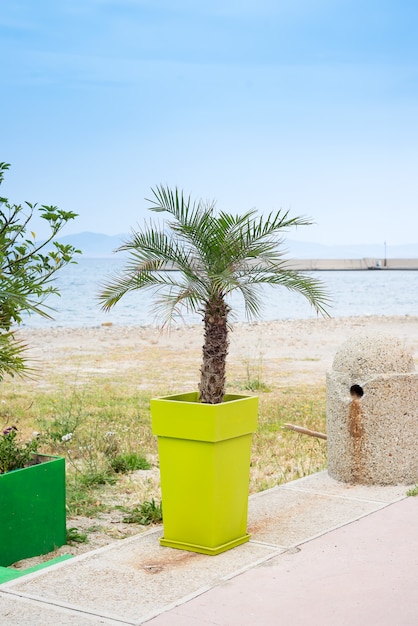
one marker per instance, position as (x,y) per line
(213,255)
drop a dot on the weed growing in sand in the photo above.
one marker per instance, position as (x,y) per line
(254,380)
(146,513)
(75,536)
(82,500)
(413,491)
(124,463)
(66,415)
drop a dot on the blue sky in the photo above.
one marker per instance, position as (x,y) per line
(304,105)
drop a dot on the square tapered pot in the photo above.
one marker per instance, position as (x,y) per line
(204,452)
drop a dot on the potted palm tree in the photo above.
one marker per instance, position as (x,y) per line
(194,261)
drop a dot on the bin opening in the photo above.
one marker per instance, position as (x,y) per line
(356,391)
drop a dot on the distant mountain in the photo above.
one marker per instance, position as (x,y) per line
(94,244)
(99,245)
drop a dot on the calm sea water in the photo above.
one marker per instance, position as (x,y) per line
(385,292)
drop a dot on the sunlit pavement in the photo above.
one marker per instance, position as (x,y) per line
(321,552)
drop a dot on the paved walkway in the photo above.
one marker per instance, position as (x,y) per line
(322,553)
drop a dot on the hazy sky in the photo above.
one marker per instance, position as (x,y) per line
(307,105)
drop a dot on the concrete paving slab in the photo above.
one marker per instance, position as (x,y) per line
(136,577)
(362,573)
(18,611)
(324,484)
(287,517)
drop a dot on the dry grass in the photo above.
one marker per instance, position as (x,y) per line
(95,405)
(92,395)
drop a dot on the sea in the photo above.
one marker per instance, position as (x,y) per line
(354,293)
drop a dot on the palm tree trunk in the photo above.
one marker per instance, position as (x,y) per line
(215,350)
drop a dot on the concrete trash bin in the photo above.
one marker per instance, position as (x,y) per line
(372,412)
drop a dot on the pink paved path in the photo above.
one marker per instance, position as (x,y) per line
(363,574)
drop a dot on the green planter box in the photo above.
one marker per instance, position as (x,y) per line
(204,452)
(32,510)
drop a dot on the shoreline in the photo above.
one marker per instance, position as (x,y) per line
(287,351)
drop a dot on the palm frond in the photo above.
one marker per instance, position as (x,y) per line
(171,303)
(12,356)
(310,288)
(188,216)
(211,257)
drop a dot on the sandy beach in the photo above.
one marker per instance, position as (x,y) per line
(288,351)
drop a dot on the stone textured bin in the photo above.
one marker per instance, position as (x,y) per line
(372,412)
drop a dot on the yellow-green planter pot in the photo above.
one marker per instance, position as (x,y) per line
(32,510)
(204,452)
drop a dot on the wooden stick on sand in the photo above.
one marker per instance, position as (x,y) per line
(305,431)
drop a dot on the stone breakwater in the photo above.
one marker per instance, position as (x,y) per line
(353,264)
